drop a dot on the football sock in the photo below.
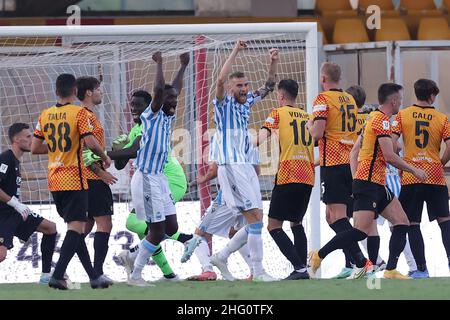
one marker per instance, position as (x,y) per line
(396,245)
(417,246)
(47,248)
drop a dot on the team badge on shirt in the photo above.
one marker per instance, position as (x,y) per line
(3,168)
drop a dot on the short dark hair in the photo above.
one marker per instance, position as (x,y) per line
(84,84)
(290,87)
(168,87)
(386,89)
(424,88)
(236,75)
(358,93)
(65,84)
(15,129)
(143,94)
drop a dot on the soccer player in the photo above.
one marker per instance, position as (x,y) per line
(295,177)
(65,128)
(100,208)
(334,126)
(423,129)
(150,192)
(237,178)
(369,156)
(17,219)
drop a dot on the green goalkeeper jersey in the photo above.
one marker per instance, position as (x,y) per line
(172,169)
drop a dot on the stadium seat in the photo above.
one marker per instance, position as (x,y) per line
(383,4)
(328,19)
(433,29)
(408,5)
(334,5)
(392,30)
(349,30)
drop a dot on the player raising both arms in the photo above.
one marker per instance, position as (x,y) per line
(237,178)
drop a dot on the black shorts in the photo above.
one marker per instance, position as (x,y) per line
(412,197)
(290,201)
(336,184)
(12,225)
(371,196)
(71,205)
(100,199)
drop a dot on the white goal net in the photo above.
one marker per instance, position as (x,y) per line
(121,58)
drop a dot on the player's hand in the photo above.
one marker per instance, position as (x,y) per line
(107,162)
(184,58)
(89,157)
(201,179)
(22,209)
(120,142)
(157,57)
(273,54)
(107,177)
(309,124)
(240,45)
(420,174)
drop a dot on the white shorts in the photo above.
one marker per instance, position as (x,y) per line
(240,186)
(219,219)
(151,197)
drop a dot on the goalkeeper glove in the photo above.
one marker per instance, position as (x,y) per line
(22,209)
(120,142)
(89,157)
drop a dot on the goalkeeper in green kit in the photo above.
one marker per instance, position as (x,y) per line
(125,147)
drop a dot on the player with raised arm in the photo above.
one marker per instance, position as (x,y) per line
(100,207)
(369,156)
(334,126)
(151,196)
(65,128)
(16,218)
(295,177)
(237,178)
(423,129)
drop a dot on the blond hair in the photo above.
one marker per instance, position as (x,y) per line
(332,71)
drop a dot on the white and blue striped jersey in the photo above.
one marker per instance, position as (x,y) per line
(155,142)
(232,138)
(252,152)
(393,180)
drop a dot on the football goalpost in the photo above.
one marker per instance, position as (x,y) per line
(31,57)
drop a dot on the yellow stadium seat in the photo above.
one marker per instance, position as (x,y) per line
(328,19)
(349,30)
(433,29)
(417,5)
(383,4)
(392,29)
(333,5)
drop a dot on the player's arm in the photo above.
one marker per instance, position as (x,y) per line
(126,153)
(210,174)
(158,89)
(393,159)
(21,208)
(262,136)
(91,143)
(316,128)
(38,146)
(106,177)
(226,69)
(446,156)
(354,156)
(269,86)
(177,82)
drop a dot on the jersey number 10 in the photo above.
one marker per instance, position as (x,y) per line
(304,133)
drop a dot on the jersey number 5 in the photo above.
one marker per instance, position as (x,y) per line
(304,133)
(422,131)
(348,118)
(58,138)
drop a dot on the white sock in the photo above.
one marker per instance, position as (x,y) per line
(238,240)
(133,254)
(409,256)
(203,254)
(255,246)
(245,253)
(146,249)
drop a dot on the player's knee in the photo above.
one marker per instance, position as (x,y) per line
(51,228)
(255,228)
(442,219)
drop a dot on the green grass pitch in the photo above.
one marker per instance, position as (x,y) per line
(435,288)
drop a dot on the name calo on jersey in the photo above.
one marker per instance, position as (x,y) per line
(371,163)
(339,110)
(423,129)
(63,127)
(296,145)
